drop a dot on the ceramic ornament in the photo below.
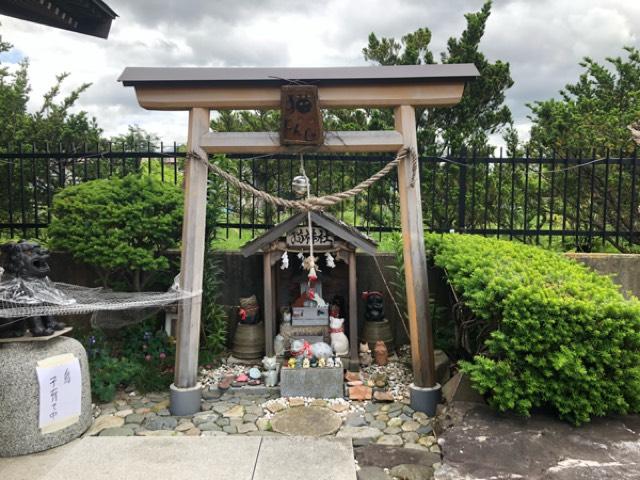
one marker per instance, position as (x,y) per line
(285,261)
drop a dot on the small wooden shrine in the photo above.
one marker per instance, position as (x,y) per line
(284,248)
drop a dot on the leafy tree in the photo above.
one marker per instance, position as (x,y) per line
(122,226)
(590,120)
(481,111)
(51,125)
(595,111)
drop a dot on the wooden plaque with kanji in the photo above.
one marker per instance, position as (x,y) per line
(301,117)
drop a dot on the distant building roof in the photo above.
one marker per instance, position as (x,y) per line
(157,76)
(91,17)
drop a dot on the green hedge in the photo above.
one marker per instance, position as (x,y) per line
(567,338)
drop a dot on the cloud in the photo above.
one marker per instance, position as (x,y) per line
(543,41)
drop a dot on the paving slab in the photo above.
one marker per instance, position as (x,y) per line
(308,457)
(176,458)
(488,445)
(34,466)
(138,458)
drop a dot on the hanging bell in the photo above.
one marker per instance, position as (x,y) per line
(300,185)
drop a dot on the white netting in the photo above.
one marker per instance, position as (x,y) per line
(34,297)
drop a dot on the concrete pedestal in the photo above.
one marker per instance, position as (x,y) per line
(20,396)
(311,382)
(425,399)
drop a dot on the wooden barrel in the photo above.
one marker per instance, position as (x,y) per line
(374,331)
(248,342)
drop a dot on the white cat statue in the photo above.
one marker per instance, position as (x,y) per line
(339,341)
(270,376)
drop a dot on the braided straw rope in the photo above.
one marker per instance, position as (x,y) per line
(313,203)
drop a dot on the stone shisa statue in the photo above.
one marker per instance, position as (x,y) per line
(25,282)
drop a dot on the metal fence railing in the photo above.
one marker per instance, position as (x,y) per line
(576,198)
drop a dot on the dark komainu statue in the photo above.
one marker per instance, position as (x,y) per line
(374,310)
(25,261)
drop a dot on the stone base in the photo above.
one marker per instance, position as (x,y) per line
(425,399)
(20,396)
(185,401)
(312,382)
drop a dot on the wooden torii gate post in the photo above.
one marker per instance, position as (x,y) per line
(199,90)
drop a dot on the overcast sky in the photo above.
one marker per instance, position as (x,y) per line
(543,40)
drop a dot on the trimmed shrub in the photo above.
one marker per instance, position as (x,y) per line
(566,337)
(122,226)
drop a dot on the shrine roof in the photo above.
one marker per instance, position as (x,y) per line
(321,219)
(205,76)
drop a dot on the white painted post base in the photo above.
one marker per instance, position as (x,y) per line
(185,401)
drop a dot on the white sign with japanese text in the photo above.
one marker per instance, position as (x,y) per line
(60,392)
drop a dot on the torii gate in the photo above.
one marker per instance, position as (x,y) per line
(200,90)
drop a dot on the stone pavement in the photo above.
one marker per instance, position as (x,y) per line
(219,458)
(483,445)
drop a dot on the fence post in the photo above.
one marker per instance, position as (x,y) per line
(462,192)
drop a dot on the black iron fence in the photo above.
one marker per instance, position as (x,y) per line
(575,198)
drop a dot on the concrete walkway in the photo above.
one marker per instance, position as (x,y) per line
(169,458)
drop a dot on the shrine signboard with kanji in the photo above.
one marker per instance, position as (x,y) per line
(299,237)
(301,122)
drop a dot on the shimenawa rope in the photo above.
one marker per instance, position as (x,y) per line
(313,203)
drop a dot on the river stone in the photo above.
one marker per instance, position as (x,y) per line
(394,422)
(106,421)
(263,424)
(234,412)
(384,456)
(160,423)
(307,421)
(134,418)
(372,473)
(183,427)
(20,396)
(117,432)
(209,427)
(360,435)
(390,440)
(355,420)
(247,427)
(410,426)
(412,472)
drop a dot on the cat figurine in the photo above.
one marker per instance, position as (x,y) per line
(339,341)
(365,354)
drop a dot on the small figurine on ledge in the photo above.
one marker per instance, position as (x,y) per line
(382,355)
(365,354)
(339,341)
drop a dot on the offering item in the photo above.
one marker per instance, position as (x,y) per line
(374,310)
(339,341)
(381,353)
(365,354)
